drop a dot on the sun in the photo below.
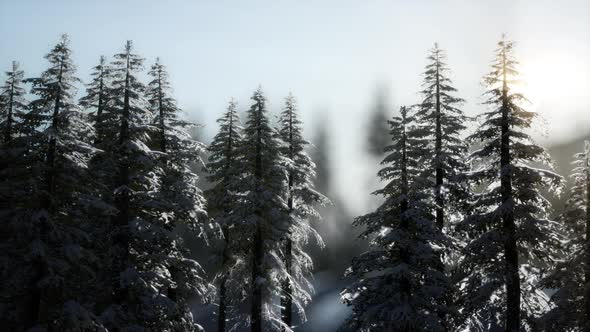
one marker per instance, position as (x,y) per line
(551,78)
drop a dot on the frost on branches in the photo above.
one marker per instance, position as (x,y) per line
(444,123)
(509,235)
(571,276)
(302,200)
(400,284)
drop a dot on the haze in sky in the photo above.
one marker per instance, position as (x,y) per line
(331,55)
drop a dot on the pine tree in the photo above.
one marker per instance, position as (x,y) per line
(301,202)
(97,97)
(225,172)
(509,233)
(571,276)
(47,227)
(182,203)
(139,246)
(444,122)
(263,210)
(400,285)
(12,103)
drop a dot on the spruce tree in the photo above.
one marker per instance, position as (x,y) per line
(302,200)
(181,200)
(97,98)
(444,123)
(571,276)
(509,235)
(12,103)
(225,172)
(263,211)
(140,242)
(400,284)
(47,227)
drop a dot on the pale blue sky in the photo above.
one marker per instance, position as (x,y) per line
(331,54)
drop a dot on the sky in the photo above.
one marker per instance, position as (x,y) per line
(331,54)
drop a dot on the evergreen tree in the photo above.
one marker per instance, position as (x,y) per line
(444,123)
(12,103)
(147,262)
(182,203)
(301,201)
(571,276)
(225,172)
(97,97)
(400,284)
(509,234)
(47,228)
(263,211)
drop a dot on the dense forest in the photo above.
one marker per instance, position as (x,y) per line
(100,192)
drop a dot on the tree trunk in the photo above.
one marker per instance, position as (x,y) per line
(38,308)
(404,206)
(222,318)
(161,111)
(287,296)
(509,227)
(99,109)
(440,216)
(122,199)
(8,132)
(258,253)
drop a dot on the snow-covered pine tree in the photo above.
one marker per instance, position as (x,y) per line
(138,253)
(12,104)
(225,172)
(571,276)
(48,231)
(509,235)
(15,188)
(444,122)
(97,98)
(263,211)
(302,200)
(400,284)
(182,202)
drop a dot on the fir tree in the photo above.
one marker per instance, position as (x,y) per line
(509,233)
(182,203)
(263,210)
(225,172)
(571,276)
(12,103)
(444,123)
(400,285)
(97,97)
(142,251)
(301,201)
(47,226)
